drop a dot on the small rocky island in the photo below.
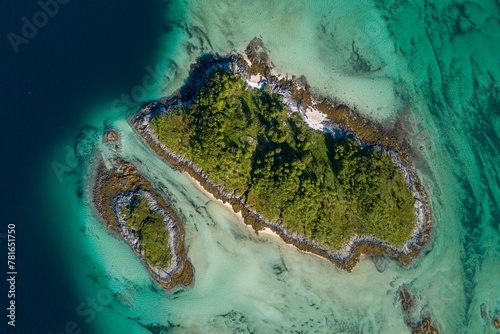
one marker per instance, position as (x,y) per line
(133,210)
(322,177)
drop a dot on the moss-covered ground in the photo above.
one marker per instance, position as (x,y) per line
(150,229)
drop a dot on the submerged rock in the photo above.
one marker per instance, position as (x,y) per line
(424,325)
(380,262)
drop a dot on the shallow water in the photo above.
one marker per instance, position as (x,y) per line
(432,67)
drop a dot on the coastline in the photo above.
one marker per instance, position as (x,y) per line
(267,231)
(289,89)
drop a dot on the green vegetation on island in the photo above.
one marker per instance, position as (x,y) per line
(121,192)
(150,230)
(324,189)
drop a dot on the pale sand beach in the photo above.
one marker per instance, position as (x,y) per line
(266,232)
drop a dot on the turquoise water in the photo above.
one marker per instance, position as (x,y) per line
(433,69)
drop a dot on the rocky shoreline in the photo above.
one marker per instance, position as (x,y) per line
(163,275)
(296,96)
(113,189)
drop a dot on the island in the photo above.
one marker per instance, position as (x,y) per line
(134,211)
(315,172)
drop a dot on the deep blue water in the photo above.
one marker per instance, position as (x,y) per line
(88,52)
